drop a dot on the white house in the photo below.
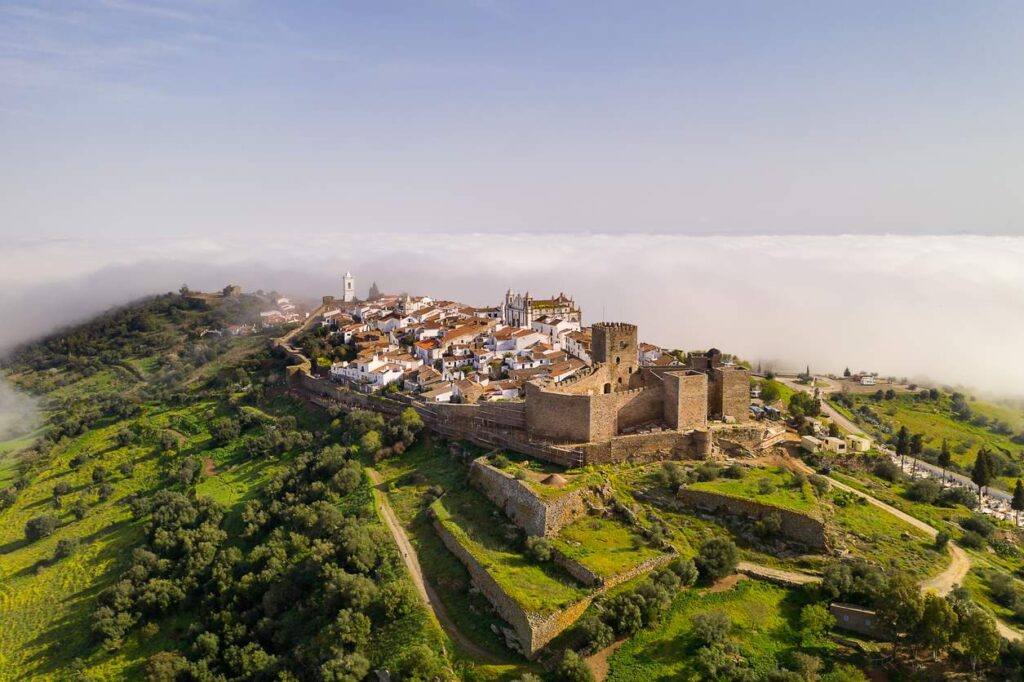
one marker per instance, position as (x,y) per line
(857,443)
(440,394)
(577,344)
(833,444)
(555,329)
(810,443)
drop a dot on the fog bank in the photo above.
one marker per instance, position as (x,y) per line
(950,308)
(19,413)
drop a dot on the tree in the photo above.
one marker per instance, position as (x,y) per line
(374,292)
(370,443)
(981,474)
(900,607)
(717,558)
(916,444)
(1017,504)
(41,526)
(944,458)
(847,372)
(165,666)
(815,622)
(844,672)
(902,443)
(979,637)
(539,548)
(711,627)
(938,623)
(573,669)
(223,430)
(769,392)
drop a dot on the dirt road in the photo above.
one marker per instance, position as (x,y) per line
(412,563)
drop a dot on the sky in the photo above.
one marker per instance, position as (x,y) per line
(191,117)
(825,183)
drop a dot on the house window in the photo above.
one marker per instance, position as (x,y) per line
(607,388)
(616,359)
(620,380)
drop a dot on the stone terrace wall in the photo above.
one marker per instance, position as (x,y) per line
(528,511)
(507,607)
(795,526)
(534,630)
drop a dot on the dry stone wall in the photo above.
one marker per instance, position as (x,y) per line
(795,526)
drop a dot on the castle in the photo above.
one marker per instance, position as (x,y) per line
(619,396)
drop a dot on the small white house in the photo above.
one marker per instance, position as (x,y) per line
(810,443)
(833,444)
(857,443)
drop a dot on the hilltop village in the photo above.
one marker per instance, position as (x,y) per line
(529,375)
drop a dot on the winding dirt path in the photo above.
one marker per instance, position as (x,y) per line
(412,563)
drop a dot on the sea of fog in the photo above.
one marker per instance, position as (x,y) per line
(950,308)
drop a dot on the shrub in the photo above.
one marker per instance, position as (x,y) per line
(686,570)
(672,475)
(717,558)
(979,524)
(539,548)
(573,669)
(819,483)
(500,461)
(769,526)
(711,627)
(925,490)
(521,474)
(888,470)
(941,540)
(65,547)
(765,487)
(707,472)
(951,497)
(734,471)
(62,488)
(972,540)
(41,526)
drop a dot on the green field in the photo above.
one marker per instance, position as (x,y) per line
(604,545)
(764,621)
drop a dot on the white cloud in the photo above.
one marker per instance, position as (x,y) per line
(951,308)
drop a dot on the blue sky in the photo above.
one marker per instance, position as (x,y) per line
(234,118)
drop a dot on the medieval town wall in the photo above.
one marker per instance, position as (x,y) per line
(559,417)
(522,505)
(794,525)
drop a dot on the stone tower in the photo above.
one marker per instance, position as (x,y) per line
(350,288)
(615,345)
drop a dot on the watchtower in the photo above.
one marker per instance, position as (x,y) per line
(614,344)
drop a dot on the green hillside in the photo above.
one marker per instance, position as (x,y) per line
(148,422)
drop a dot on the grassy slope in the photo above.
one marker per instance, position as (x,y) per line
(764,622)
(46,605)
(409,477)
(934,421)
(606,546)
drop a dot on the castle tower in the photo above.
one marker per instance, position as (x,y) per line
(615,345)
(350,288)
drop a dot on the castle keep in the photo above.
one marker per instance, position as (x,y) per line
(619,397)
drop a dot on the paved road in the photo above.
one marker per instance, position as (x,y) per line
(412,562)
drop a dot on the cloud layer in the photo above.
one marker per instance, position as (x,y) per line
(949,308)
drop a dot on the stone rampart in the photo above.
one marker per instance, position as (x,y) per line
(795,526)
(523,506)
(534,630)
(645,447)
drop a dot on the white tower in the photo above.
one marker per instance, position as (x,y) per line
(350,287)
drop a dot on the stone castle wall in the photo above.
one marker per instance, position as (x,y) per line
(534,630)
(795,526)
(528,511)
(685,399)
(729,393)
(560,417)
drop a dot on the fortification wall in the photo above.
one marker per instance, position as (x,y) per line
(528,511)
(795,526)
(640,406)
(559,417)
(645,447)
(535,630)
(507,607)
